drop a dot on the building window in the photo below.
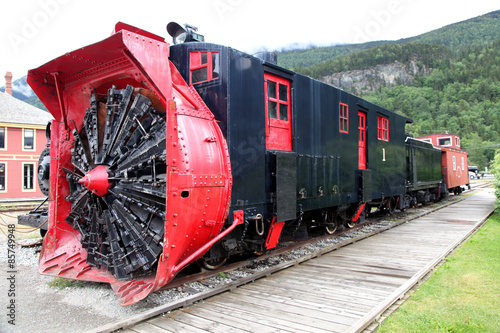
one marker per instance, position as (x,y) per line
(383,128)
(28,176)
(203,66)
(29,138)
(343,118)
(2,176)
(2,137)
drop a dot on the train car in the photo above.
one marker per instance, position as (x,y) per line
(424,173)
(454,160)
(295,144)
(162,155)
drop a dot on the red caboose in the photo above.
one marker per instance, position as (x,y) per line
(454,160)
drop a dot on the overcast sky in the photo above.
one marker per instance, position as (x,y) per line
(36,31)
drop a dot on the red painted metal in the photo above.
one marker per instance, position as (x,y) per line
(358,212)
(96,181)
(453,160)
(196,166)
(455,167)
(274,234)
(362,140)
(278,113)
(383,128)
(343,118)
(238,219)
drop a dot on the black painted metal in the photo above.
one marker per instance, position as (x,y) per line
(286,184)
(326,165)
(366,185)
(122,231)
(424,165)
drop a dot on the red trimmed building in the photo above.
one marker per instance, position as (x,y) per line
(22,139)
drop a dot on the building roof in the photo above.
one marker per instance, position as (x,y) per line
(16,111)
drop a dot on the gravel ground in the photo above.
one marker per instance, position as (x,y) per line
(81,306)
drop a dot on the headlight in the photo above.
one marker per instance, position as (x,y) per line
(184,34)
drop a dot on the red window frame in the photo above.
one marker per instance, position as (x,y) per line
(383,128)
(203,66)
(343,118)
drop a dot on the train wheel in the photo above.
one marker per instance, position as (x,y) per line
(330,222)
(349,224)
(212,264)
(392,205)
(215,258)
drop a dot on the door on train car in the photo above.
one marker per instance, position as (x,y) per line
(278,113)
(362,140)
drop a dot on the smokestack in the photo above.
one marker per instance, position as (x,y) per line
(8,83)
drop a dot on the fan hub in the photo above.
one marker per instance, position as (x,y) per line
(96,181)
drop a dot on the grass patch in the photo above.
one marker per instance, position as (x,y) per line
(61,283)
(463,295)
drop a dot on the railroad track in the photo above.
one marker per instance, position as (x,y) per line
(200,286)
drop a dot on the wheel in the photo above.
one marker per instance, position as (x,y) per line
(349,224)
(212,264)
(330,222)
(330,228)
(392,205)
(215,258)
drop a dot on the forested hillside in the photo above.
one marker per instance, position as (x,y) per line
(454,89)
(462,97)
(456,37)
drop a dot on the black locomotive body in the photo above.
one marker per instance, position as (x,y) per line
(316,176)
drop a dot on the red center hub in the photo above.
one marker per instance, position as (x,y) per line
(96,181)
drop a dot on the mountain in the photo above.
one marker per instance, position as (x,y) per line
(446,80)
(477,31)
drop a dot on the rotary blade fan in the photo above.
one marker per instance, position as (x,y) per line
(118,185)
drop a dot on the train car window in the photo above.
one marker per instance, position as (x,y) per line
(203,66)
(383,128)
(283,93)
(444,141)
(457,141)
(277,99)
(454,163)
(271,100)
(463,163)
(343,118)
